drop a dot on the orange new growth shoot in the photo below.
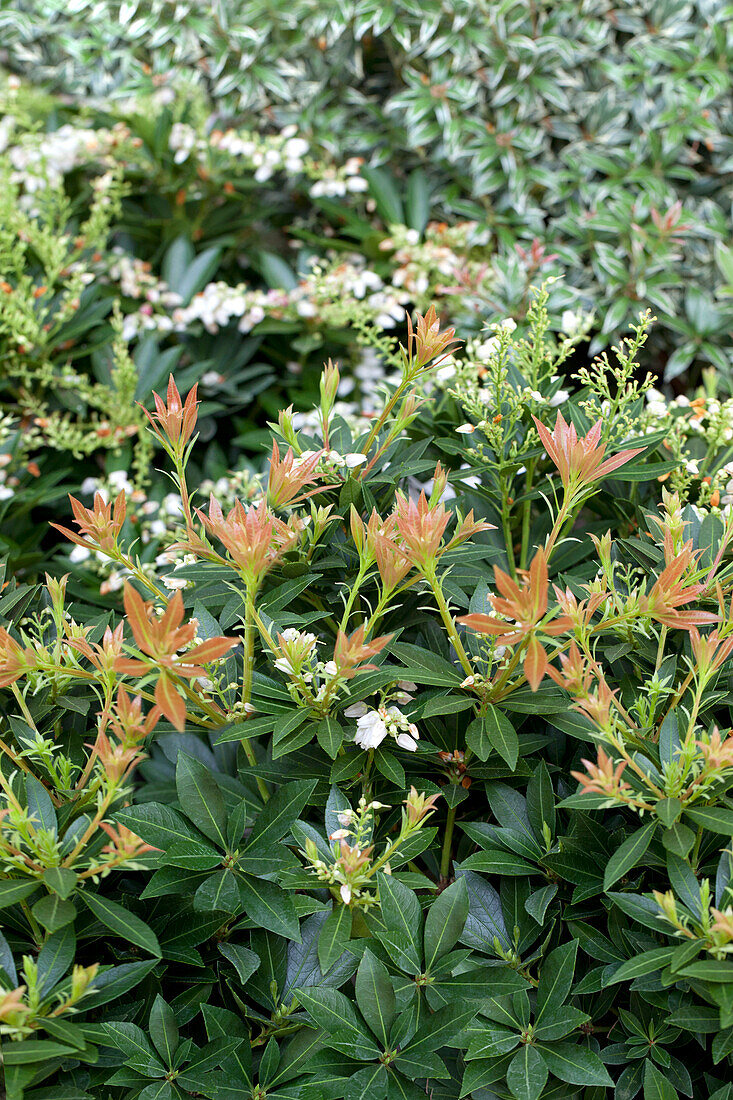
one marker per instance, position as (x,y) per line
(175,420)
(101,524)
(161,639)
(580,462)
(523,606)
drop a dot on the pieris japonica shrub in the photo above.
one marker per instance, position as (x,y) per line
(402,772)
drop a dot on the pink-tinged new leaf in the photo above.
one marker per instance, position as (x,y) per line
(484,624)
(138,618)
(535,663)
(210,650)
(170,702)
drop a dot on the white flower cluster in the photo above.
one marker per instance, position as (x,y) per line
(372,726)
(324,296)
(304,645)
(41,158)
(331,461)
(335,182)
(442,262)
(266,154)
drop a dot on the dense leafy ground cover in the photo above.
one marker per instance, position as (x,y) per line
(365,692)
(304,819)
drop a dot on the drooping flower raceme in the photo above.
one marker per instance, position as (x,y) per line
(372,726)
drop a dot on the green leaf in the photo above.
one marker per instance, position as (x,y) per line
(485,917)
(276,272)
(334,936)
(287,724)
(502,735)
(333,1012)
(628,854)
(709,970)
(656,1085)
(441,1029)
(163,1030)
(53,913)
(541,801)
(702,1019)
(537,903)
(61,880)
(269,907)
(669,737)
(417,205)
(389,766)
(646,963)
(55,958)
(527,1073)
(156,824)
(425,667)
(111,984)
(330,736)
(668,810)
(643,910)
(386,196)
(477,738)
(678,839)
(14,890)
(133,1042)
(498,862)
(198,273)
(275,820)
(402,915)
(445,921)
(575,1064)
(218,893)
(245,962)
(122,922)
(715,818)
(561,1022)
(40,806)
(375,996)
(369,1083)
(556,980)
(200,798)
(34,1051)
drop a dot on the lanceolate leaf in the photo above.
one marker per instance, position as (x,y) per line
(269,907)
(575,1064)
(375,996)
(527,1073)
(445,921)
(201,799)
(626,857)
(334,936)
(122,922)
(556,979)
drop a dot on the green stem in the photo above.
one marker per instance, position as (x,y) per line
(249,622)
(660,648)
(38,935)
(507,532)
(353,593)
(526,517)
(448,622)
(381,420)
(447,844)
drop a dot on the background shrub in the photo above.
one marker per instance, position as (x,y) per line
(601,130)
